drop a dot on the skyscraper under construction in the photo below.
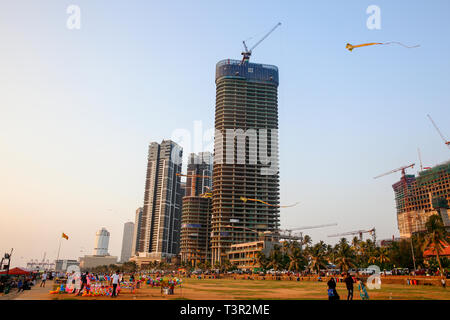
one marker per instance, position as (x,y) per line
(245,154)
(419,197)
(196,212)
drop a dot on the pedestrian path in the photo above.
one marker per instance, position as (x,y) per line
(36,292)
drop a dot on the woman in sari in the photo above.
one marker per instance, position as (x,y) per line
(362,290)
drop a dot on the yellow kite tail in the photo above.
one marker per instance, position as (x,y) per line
(266,203)
(350,47)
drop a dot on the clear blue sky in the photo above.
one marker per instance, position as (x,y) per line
(79,107)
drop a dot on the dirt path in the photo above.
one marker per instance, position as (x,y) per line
(36,292)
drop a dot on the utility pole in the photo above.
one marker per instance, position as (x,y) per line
(412,252)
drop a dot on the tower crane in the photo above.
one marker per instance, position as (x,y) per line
(403,179)
(395,170)
(357,232)
(439,131)
(289,231)
(248,52)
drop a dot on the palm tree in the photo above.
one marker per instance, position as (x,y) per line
(225,265)
(330,254)
(373,259)
(285,247)
(345,255)
(356,244)
(261,260)
(383,256)
(275,258)
(317,256)
(436,237)
(306,241)
(296,259)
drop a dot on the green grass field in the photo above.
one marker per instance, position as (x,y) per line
(272,289)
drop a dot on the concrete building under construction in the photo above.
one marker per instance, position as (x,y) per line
(246,112)
(419,197)
(196,210)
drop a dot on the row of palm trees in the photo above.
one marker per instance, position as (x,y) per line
(295,256)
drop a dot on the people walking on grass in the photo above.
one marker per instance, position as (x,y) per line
(43,279)
(362,290)
(349,284)
(115,281)
(83,283)
(332,293)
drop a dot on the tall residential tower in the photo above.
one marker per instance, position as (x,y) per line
(159,234)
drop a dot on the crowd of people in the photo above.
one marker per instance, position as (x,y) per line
(349,283)
(21,282)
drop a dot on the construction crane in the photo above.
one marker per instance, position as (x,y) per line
(193,182)
(439,131)
(395,170)
(289,231)
(420,160)
(404,182)
(300,236)
(357,232)
(248,52)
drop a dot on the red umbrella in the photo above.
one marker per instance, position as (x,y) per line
(16,272)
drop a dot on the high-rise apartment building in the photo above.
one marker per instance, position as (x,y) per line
(245,154)
(159,234)
(196,212)
(127,241)
(137,230)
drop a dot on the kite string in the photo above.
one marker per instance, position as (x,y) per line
(399,43)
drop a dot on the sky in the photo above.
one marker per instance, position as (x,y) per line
(78,107)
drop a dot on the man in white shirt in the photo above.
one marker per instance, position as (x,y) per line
(115,281)
(43,279)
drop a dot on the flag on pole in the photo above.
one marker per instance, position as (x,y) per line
(65,236)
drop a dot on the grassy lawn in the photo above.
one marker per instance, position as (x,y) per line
(221,289)
(272,289)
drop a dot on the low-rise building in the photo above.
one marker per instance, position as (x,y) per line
(244,255)
(63,264)
(88,262)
